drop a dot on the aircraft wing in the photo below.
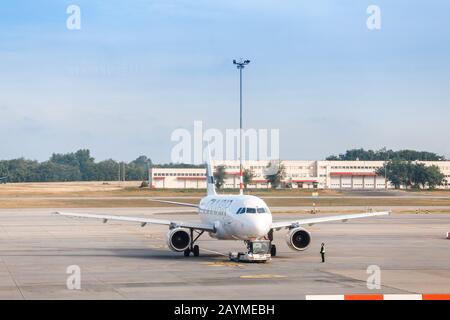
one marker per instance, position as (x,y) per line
(185,204)
(311,221)
(142,221)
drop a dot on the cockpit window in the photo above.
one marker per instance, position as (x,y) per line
(251,210)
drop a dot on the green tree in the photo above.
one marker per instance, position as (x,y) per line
(66,159)
(248,176)
(434,176)
(3,168)
(86,164)
(107,170)
(409,174)
(384,155)
(138,169)
(419,175)
(73,166)
(21,170)
(219,176)
(395,171)
(276,172)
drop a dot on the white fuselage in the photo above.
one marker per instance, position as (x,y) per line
(240,217)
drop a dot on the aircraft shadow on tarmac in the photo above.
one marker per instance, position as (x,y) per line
(165,254)
(145,253)
(127,253)
(159,254)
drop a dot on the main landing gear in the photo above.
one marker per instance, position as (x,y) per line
(195,249)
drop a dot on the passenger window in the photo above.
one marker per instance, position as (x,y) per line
(251,210)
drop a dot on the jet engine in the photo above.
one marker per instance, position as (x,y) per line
(178,239)
(298,239)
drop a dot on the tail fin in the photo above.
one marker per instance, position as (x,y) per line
(210,185)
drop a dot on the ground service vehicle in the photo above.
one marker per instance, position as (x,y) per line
(258,251)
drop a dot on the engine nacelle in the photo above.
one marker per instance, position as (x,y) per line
(178,239)
(298,239)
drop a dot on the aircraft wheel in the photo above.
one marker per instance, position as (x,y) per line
(273,250)
(187,252)
(196,251)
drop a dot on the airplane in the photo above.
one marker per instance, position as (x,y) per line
(229,217)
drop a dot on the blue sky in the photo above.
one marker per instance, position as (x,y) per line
(137,70)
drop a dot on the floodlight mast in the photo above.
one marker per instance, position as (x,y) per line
(240,65)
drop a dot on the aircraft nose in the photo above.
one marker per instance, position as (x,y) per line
(259,226)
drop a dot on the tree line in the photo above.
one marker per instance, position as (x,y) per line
(407,174)
(401,168)
(74,166)
(386,155)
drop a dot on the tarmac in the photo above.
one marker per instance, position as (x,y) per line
(124,261)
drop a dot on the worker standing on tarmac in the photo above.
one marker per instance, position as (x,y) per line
(322,252)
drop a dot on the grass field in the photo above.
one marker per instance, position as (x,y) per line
(128,188)
(128,194)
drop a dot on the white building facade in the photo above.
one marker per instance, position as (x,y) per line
(299,174)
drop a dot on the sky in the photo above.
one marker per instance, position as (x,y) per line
(138,70)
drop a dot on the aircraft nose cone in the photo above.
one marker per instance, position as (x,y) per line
(259,226)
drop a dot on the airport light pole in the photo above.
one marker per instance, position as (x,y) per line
(240,65)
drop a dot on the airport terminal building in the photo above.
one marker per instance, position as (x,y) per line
(299,174)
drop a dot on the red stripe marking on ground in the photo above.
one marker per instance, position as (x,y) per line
(436,297)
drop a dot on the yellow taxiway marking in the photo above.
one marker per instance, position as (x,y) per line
(262,276)
(223,264)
